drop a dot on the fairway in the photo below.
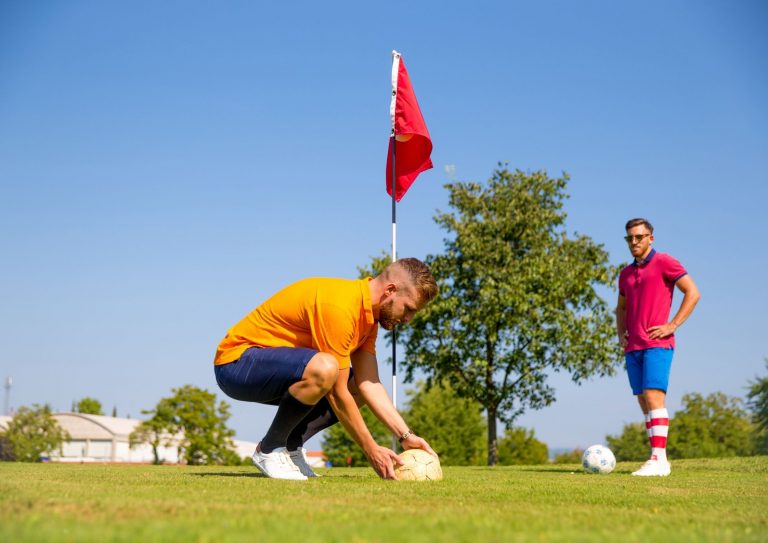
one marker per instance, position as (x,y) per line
(703,500)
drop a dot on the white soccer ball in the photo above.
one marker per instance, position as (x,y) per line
(598,459)
(418,465)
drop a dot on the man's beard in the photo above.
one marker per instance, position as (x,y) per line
(386,319)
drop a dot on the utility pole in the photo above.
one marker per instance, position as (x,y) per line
(8,385)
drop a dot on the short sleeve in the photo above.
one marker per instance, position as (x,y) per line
(672,270)
(622,283)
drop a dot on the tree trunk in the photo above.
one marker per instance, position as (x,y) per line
(492,409)
(493,453)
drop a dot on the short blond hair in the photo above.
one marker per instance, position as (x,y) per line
(420,275)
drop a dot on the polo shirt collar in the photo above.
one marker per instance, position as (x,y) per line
(646,260)
(365,290)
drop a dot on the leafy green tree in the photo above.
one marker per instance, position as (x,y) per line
(711,426)
(377,265)
(631,444)
(157,430)
(193,416)
(518,299)
(34,432)
(519,446)
(90,406)
(453,426)
(757,400)
(570,457)
(338,446)
(6,449)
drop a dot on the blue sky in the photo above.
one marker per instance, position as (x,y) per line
(166,166)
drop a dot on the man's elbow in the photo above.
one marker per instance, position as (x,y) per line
(696,296)
(365,387)
(693,294)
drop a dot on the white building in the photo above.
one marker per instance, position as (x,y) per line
(96,438)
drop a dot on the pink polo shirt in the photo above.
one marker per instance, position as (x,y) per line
(647,288)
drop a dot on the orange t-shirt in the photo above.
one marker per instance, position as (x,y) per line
(330,315)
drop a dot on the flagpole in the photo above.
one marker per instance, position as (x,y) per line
(407,123)
(392,112)
(394,258)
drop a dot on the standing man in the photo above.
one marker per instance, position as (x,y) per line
(311,350)
(647,335)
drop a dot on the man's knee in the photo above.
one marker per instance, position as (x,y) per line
(654,399)
(322,369)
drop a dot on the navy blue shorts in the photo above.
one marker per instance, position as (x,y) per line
(263,375)
(649,368)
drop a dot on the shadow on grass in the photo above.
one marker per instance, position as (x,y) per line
(339,474)
(256,474)
(573,470)
(550,469)
(543,468)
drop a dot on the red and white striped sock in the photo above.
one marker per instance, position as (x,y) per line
(648,428)
(659,431)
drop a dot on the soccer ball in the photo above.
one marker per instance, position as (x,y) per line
(418,465)
(598,459)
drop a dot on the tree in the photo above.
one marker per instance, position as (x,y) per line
(518,299)
(711,426)
(34,432)
(757,400)
(192,415)
(452,425)
(631,444)
(157,431)
(519,446)
(569,457)
(90,406)
(6,449)
(339,447)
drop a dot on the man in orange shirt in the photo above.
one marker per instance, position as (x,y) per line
(311,350)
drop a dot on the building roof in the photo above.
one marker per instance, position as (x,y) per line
(84,426)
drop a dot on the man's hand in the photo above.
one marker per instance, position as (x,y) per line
(662,330)
(623,340)
(415,442)
(383,461)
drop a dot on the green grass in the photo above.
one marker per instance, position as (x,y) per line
(704,500)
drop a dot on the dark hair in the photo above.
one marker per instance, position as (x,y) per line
(420,275)
(637,222)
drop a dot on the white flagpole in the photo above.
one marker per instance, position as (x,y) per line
(392,108)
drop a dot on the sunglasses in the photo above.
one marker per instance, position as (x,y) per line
(638,237)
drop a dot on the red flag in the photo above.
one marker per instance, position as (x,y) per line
(408,127)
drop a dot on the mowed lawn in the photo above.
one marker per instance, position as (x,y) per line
(703,500)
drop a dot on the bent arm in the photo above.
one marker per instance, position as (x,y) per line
(375,396)
(691,297)
(343,404)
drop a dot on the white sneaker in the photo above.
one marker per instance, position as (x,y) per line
(277,465)
(654,468)
(300,461)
